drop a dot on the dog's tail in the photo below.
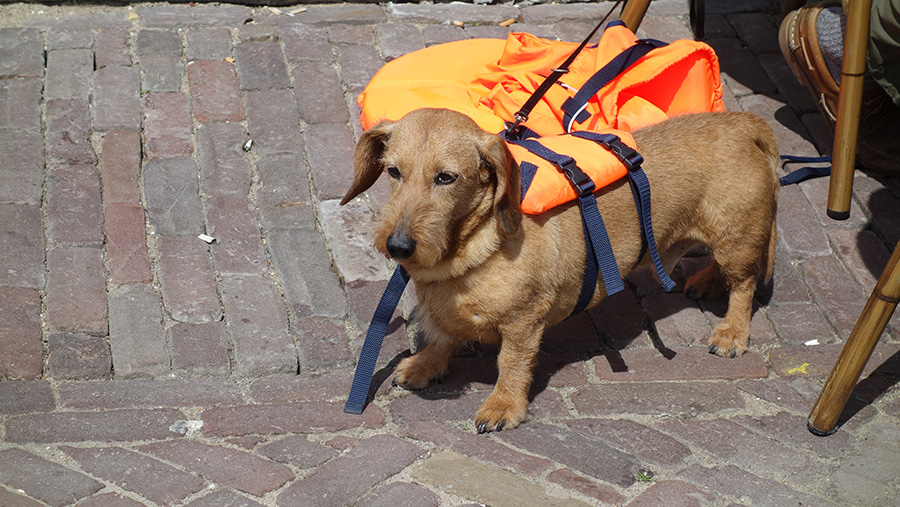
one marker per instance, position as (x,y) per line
(768,144)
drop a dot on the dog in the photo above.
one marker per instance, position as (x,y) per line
(486,272)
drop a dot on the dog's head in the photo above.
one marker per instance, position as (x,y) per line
(450,182)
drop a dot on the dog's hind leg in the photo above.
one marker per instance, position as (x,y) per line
(731,336)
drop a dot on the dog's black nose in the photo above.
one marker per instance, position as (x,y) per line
(400,246)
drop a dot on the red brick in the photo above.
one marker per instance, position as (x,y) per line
(167,125)
(303,417)
(215,91)
(400,494)
(111,48)
(798,323)
(68,131)
(20,333)
(274,122)
(261,65)
(297,450)
(106,426)
(44,480)
(78,357)
(687,363)
(731,480)
(25,396)
(21,246)
(126,244)
(323,343)
(131,471)
(76,290)
(120,166)
(308,386)
(656,398)
(74,215)
(572,481)
(238,249)
(187,279)
(634,438)
(672,493)
(841,298)
(138,393)
(199,349)
(230,467)
(347,477)
(109,500)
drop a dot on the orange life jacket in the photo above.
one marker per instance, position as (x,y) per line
(489,80)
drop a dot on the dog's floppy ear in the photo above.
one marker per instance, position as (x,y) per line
(367,159)
(498,160)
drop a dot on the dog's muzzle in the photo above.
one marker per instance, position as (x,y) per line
(400,246)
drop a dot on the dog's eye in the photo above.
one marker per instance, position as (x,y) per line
(393,172)
(444,178)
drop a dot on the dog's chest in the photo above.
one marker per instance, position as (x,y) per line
(467,314)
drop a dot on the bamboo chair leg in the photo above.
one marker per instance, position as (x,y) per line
(852,72)
(633,13)
(856,352)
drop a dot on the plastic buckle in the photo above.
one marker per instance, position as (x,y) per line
(580,181)
(630,157)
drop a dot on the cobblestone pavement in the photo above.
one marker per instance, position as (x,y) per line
(147,367)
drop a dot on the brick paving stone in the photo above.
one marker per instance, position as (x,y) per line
(304,269)
(483,483)
(348,233)
(476,446)
(778,71)
(283,181)
(880,204)
(312,386)
(787,283)
(21,246)
(349,476)
(358,65)
(798,323)
(223,497)
(570,480)
(734,482)
(297,450)
(25,397)
(172,195)
(107,426)
(343,33)
(429,405)
(791,429)
(126,245)
(69,73)
(329,151)
(24,55)
(398,39)
(440,34)
(78,357)
(836,292)
(22,175)
(111,48)
(20,333)
(76,290)
(208,43)
(738,445)
(792,137)
(70,38)
(672,493)
(341,13)
(161,72)
(691,363)
(176,16)
(74,214)
(120,166)
(862,253)
(258,324)
(274,121)
(799,229)
(857,482)
(677,319)
(136,336)
(575,334)
(48,482)
(621,320)
(237,469)
(9,498)
(290,215)
(586,455)
(141,393)
(116,98)
(20,104)
(285,418)
(167,125)
(224,168)
(559,370)
(260,65)
(468,13)
(305,42)
(131,471)
(656,398)
(323,343)
(633,438)
(199,349)
(215,91)
(238,249)
(328,104)
(487,32)
(400,494)
(68,131)
(109,500)
(157,41)
(187,279)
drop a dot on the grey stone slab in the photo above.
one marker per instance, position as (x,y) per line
(136,336)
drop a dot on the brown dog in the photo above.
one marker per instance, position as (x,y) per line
(485,272)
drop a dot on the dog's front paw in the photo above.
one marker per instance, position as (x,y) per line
(497,413)
(726,342)
(414,373)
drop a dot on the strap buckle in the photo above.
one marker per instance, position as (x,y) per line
(579,180)
(628,155)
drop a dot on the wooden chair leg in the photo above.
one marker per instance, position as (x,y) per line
(853,70)
(633,13)
(856,352)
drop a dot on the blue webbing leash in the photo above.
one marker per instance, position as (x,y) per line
(804,173)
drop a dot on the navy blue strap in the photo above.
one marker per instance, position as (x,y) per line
(574,107)
(640,187)
(365,367)
(804,173)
